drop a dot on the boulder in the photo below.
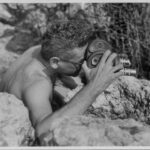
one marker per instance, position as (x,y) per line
(127,97)
(15,126)
(21,41)
(6,58)
(4,13)
(6,30)
(109,121)
(28,32)
(23,26)
(88,131)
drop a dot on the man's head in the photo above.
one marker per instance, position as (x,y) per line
(64,45)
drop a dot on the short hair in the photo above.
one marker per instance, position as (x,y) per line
(63,36)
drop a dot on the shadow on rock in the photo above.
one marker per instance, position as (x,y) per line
(7,33)
(21,41)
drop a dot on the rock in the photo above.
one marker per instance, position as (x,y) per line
(15,126)
(27,26)
(28,32)
(88,131)
(6,58)
(127,97)
(4,13)
(21,41)
(6,30)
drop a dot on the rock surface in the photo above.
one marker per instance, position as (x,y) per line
(88,131)
(127,97)
(98,128)
(15,126)
(6,57)
(16,129)
(21,41)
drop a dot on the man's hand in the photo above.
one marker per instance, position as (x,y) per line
(105,73)
(88,72)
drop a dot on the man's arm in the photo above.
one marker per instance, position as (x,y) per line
(36,97)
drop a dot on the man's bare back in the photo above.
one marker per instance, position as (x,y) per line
(22,72)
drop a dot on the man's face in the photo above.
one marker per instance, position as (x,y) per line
(73,64)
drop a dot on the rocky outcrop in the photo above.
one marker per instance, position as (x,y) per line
(15,126)
(27,24)
(21,41)
(88,131)
(100,126)
(6,57)
(127,97)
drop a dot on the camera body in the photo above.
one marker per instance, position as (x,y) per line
(95,51)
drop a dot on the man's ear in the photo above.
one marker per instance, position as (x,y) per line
(54,62)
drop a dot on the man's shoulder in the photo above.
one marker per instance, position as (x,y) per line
(36,47)
(41,87)
(36,80)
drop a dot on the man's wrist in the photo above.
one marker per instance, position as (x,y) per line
(92,91)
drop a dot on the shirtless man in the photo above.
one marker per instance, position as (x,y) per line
(32,77)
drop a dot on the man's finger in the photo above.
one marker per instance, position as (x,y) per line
(117,68)
(111,59)
(118,74)
(104,59)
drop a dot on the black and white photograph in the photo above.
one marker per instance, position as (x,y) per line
(74,74)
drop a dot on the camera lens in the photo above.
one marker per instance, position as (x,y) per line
(93,60)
